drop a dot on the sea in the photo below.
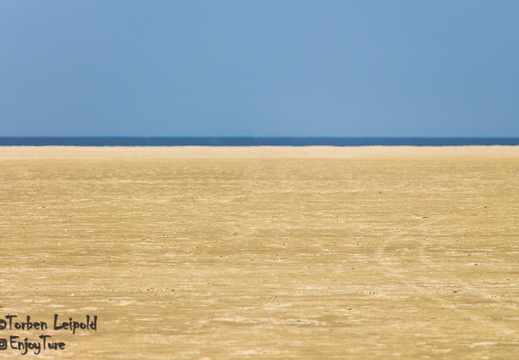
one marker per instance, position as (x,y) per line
(254,141)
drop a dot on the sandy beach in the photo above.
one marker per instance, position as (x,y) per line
(260,252)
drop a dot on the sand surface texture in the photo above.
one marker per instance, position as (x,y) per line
(262,253)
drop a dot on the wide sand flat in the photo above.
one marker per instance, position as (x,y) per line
(264,253)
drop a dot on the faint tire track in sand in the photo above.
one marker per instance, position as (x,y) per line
(382,258)
(474,291)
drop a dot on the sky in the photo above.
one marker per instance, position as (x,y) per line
(347,68)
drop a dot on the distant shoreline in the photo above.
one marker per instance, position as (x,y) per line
(254,141)
(257,152)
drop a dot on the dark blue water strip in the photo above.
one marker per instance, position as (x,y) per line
(251,141)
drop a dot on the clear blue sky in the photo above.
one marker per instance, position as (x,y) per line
(259,68)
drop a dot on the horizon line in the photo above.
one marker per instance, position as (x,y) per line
(251,137)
